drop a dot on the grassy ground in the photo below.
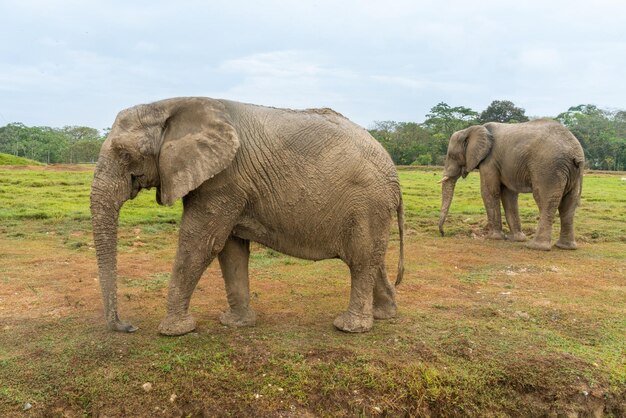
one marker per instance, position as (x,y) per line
(7,159)
(485,328)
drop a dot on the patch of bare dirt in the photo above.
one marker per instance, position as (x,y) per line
(43,281)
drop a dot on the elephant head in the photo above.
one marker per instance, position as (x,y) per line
(466,150)
(174,145)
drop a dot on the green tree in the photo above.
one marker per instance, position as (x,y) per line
(423,159)
(404,141)
(82,142)
(11,139)
(71,144)
(85,151)
(80,133)
(442,121)
(602,134)
(49,144)
(503,111)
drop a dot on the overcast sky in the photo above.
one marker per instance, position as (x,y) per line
(79,62)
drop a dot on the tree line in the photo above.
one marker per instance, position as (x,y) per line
(70,144)
(601,132)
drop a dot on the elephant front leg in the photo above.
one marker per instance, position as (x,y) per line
(359,316)
(201,238)
(188,269)
(234,264)
(511,211)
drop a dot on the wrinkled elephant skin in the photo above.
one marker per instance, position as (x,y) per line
(310,184)
(540,157)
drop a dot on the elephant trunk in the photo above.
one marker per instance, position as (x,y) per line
(447,192)
(107,197)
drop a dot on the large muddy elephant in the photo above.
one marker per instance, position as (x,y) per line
(310,184)
(541,157)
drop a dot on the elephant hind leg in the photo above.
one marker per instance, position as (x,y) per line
(233,261)
(547,201)
(567,208)
(511,211)
(359,316)
(490,192)
(370,292)
(363,244)
(384,296)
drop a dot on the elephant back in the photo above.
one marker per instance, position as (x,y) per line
(319,135)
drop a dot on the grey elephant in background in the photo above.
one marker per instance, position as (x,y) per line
(310,184)
(540,156)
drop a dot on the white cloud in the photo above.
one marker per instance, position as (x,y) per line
(146,47)
(400,81)
(540,59)
(370,60)
(23,78)
(283,64)
(288,78)
(422,83)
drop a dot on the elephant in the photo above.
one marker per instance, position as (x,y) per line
(307,183)
(540,156)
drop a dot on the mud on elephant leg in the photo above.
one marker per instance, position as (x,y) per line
(188,269)
(200,240)
(384,296)
(185,276)
(234,264)
(359,316)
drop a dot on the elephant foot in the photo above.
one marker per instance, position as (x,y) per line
(230,318)
(386,311)
(351,322)
(122,326)
(539,245)
(496,235)
(566,245)
(518,237)
(177,325)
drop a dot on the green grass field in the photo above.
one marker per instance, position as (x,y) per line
(7,159)
(485,328)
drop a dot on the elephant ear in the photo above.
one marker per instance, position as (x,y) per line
(199,142)
(478,145)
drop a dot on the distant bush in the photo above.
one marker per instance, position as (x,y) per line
(424,159)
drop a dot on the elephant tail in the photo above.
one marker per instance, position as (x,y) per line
(579,162)
(400,212)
